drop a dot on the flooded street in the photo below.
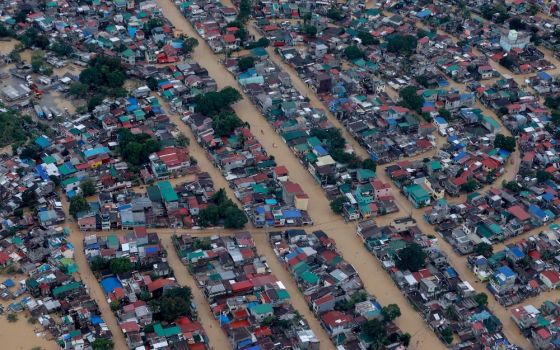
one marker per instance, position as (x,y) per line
(216,336)
(87,277)
(375,279)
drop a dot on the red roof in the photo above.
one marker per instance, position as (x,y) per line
(173,156)
(130,326)
(552,276)
(335,318)
(518,212)
(159,283)
(241,286)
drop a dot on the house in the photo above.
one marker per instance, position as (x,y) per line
(417,195)
(502,280)
(550,278)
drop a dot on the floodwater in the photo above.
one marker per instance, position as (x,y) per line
(375,279)
(21,334)
(216,336)
(87,277)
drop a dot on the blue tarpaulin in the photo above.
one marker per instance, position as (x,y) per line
(8,283)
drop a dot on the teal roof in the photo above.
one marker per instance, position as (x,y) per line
(167,191)
(261,309)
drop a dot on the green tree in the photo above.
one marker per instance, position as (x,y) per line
(444,113)
(337,204)
(98,264)
(447,335)
(507,143)
(94,101)
(402,44)
(484,249)
(29,198)
(136,148)
(212,103)
(375,329)
(121,265)
(481,299)
(225,123)
(405,339)
(234,218)
(12,318)
(513,186)
(244,10)
(369,164)
(310,30)
(88,187)
(517,24)
(189,44)
(77,205)
(469,186)
(246,63)
(410,98)
(152,83)
(507,62)
(78,90)
(173,304)
(353,53)
(115,305)
(367,38)
(335,13)
(391,312)
(543,176)
(412,258)
(62,48)
(102,344)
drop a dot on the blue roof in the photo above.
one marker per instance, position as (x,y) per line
(424,13)
(43,142)
(321,151)
(291,214)
(451,272)
(506,271)
(535,210)
(96,319)
(41,172)
(460,156)
(9,283)
(544,76)
(441,120)
(260,210)
(96,151)
(110,283)
(517,252)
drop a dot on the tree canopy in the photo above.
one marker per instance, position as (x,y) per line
(77,205)
(136,148)
(214,102)
(353,53)
(484,249)
(402,44)
(121,265)
(104,75)
(410,99)
(412,258)
(505,142)
(246,63)
(221,209)
(88,187)
(174,303)
(367,38)
(337,204)
(15,128)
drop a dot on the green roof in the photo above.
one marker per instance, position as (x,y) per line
(435,165)
(66,288)
(166,332)
(112,240)
(310,277)
(262,309)
(167,191)
(283,294)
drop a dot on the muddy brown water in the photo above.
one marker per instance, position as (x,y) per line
(375,279)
